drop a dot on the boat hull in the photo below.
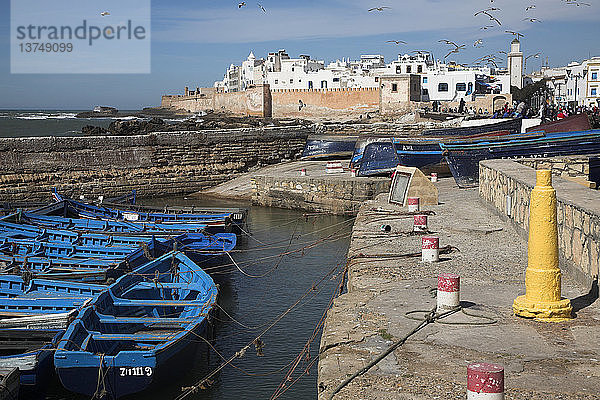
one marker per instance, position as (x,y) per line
(464,161)
(326,147)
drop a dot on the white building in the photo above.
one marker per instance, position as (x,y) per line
(439,81)
(576,84)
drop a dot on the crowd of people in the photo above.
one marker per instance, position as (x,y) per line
(547,112)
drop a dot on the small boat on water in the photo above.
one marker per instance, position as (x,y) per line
(324,147)
(133,333)
(89,225)
(463,159)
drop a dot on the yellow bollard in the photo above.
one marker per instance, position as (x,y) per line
(542,299)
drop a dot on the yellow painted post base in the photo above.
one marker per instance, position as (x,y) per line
(554,311)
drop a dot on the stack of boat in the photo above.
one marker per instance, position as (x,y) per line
(106,297)
(459,150)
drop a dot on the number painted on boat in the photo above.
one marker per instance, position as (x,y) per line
(130,216)
(135,371)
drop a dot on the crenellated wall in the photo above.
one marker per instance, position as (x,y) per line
(154,164)
(578,212)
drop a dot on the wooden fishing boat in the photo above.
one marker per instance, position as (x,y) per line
(574,123)
(87,225)
(132,334)
(378,158)
(327,147)
(512,126)
(463,159)
(230,218)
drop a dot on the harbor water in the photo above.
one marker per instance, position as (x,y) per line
(271,283)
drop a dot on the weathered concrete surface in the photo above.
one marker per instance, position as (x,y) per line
(542,361)
(337,193)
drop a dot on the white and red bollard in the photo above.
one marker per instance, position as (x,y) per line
(430,249)
(413,204)
(485,381)
(434,177)
(420,223)
(334,167)
(303,172)
(448,292)
(353,172)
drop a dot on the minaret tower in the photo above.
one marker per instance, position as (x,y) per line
(515,64)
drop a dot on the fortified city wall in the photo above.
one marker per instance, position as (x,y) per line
(578,212)
(310,103)
(153,164)
(254,101)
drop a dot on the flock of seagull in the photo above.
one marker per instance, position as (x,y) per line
(454,47)
(495,22)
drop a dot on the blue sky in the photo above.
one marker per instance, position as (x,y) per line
(193,41)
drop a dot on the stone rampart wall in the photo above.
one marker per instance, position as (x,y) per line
(253,101)
(323,102)
(155,164)
(578,211)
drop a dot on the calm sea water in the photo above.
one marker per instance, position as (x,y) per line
(19,123)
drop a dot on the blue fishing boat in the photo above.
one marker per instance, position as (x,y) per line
(99,263)
(131,334)
(326,147)
(378,158)
(463,159)
(86,225)
(230,218)
(359,149)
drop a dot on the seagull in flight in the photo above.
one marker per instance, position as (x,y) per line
(242,4)
(378,8)
(503,52)
(261,7)
(531,19)
(491,17)
(478,43)
(576,3)
(485,28)
(517,34)
(531,7)
(396,41)
(487,10)
(104,13)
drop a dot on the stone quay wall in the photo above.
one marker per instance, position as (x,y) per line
(568,167)
(155,164)
(578,212)
(336,195)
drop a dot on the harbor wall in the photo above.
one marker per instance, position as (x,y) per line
(255,101)
(154,164)
(580,169)
(336,195)
(578,212)
(309,103)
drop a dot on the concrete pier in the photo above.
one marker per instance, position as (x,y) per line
(540,360)
(284,185)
